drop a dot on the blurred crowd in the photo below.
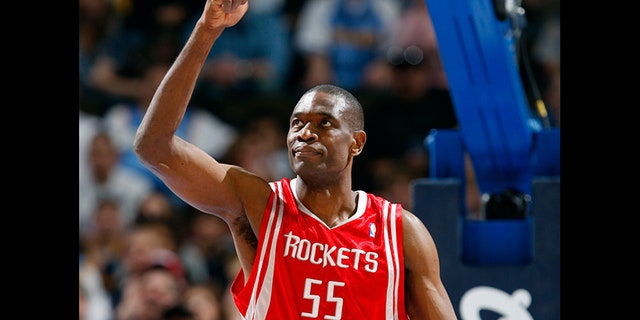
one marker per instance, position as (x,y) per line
(144,254)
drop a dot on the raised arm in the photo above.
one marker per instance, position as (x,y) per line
(425,295)
(223,190)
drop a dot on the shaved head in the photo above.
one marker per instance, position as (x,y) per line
(354,114)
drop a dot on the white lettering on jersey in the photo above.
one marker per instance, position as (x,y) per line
(319,253)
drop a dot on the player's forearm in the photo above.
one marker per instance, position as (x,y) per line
(169,104)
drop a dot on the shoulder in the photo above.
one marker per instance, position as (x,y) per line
(418,243)
(412,223)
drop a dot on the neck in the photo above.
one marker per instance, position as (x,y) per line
(331,204)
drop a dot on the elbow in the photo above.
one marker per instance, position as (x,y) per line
(141,147)
(151,147)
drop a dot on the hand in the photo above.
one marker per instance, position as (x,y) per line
(224,13)
(230,5)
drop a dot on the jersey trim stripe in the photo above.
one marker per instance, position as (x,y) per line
(263,304)
(396,262)
(390,266)
(259,303)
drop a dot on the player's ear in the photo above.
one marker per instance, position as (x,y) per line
(359,139)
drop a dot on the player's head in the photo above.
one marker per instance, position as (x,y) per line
(326,130)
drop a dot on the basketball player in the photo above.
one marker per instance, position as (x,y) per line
(323,251)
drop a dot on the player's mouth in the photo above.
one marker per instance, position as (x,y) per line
(305,152)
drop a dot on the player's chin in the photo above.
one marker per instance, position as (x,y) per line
(306,165)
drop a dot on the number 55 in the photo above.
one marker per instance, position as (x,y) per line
(316,299)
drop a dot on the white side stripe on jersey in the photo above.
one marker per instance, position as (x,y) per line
(390,266)
(395,261)
(390,242)
(259,303)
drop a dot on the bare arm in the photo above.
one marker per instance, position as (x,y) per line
(425,294)
(223,190)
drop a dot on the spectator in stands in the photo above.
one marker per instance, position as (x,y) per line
(414,38)
(204,302)
(89,125)
(94,300)
(342,41)
(229,308)
(158,208)
(261,149)
(149,32)
(105,242)
(108,179)
(206,247)
(251,58)
(147,244)
(158,289)
(98,22)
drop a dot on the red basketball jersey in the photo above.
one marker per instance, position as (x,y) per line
(305,270)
